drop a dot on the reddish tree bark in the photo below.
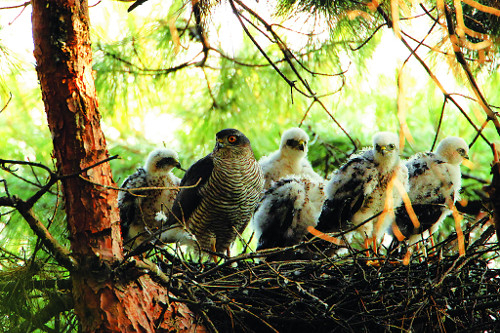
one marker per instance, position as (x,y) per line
(104,302)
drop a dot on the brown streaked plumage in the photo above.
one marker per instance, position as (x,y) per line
(230,184)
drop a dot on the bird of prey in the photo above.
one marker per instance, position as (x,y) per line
(139,209)
(219,194)
(434,184)
(290,159)
(358,191)
(286,210)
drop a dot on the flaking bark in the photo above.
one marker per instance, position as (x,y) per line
(104,302)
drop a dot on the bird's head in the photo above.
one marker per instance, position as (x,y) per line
(386,147)
(453,150)
(294,143)
(162,161)
(231,139)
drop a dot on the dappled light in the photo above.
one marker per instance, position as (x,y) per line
(298,219)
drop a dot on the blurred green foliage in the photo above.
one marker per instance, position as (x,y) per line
(144,105)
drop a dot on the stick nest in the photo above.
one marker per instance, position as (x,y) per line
(437,291)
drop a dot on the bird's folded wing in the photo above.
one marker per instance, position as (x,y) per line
(189,198)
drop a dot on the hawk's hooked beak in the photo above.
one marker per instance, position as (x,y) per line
(381,149)
(178,166)
(301,145)
(296,144)
(168,161)
(219,143)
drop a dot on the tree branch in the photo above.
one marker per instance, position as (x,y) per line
(288,56)
(461,60)
(89,167)
(133,68)
(494,190)
(6,104)
(447,95)
(56,305)
(60,253)
(16,6)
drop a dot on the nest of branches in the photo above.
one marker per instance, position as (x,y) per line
(437,291)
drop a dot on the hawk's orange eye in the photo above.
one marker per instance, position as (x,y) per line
(231,139)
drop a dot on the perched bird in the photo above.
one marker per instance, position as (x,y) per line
(358,191)
(434,184)
(286,210)
(290,159)
(223,191)
(139,209)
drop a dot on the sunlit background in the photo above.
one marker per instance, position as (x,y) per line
(142,107)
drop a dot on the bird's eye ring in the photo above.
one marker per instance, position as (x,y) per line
(461,151)
(231,139)
(391,146)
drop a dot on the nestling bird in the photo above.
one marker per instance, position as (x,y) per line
(138,210)
(287,209)
(358,191)
(434,184)
(290,159)
(226,186)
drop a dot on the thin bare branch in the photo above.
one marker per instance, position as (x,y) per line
(368,39)
(438,129)
(114,157)
(18,162)
(138,189)
(472,81)
(61,254)
(288,55)
(25,209)
(16,6)
(433,77)
(6,104)
(134,69)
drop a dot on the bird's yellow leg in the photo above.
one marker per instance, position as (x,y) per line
(460,235)
(433,244)
(214,250)
(424,253)
(374,243)
(367,246)
(406,259)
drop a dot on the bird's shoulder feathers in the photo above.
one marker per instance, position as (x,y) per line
(189,198)
(137,179)
(352,178)
(201,170)
(346,192)
(431,179)
(275,214)
(127,202)
(421,163)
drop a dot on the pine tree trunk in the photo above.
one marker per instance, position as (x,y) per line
(104,300)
